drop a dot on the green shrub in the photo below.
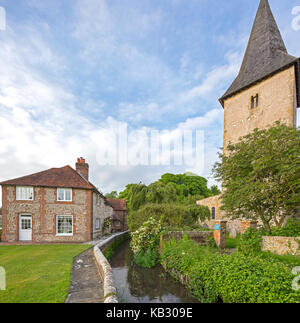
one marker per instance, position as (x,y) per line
(250,241)
(234,278)
(148,258)
(170,215)
(145,243)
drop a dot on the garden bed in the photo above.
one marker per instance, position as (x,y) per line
(236,278)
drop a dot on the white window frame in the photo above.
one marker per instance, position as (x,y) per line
(64,234)
(64,189)
(19,193)
(97,222)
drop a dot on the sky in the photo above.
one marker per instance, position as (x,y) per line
(73,70)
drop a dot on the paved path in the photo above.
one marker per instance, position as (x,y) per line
(86,285)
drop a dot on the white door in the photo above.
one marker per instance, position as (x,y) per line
(25,230)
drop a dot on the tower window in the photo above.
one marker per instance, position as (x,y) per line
(213,213)
(254,101)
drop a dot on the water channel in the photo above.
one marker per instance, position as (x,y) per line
(141,285)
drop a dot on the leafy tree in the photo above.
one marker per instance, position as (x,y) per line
(260,176)
(187,184)
(112,195)
(215,190)
(158,192)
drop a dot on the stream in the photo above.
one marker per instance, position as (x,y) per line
(136,284)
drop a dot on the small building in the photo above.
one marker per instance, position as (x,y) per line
(119,215)
(56,205)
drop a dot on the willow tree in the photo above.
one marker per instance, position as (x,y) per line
(261,176)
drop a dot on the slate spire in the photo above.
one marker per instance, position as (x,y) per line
(266,53)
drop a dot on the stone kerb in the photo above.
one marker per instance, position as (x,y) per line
(105,270)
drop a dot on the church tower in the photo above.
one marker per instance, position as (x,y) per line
(267,88)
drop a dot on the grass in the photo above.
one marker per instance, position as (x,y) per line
(290,260)
(37,274)
(231,242)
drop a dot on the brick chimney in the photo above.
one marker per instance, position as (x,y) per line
(82,167)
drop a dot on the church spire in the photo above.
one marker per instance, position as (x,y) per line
(266,53)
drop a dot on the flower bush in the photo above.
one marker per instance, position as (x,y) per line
(147,236)
(145,242)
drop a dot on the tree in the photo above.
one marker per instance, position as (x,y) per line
(187,184)
(260,176)
(112,195)
(215,190)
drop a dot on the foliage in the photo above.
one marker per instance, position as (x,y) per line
(291,229)
(112,195)
(183,188)
(170,215)
(148,258)
(147,236)
(234,278)
(250,242)
(187,184)
(110,250)
(260,176)
(145,242)
(106,224)
(38,274)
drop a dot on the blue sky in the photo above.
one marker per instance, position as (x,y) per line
(71,69)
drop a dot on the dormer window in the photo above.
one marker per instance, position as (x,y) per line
(24,193)
(64,194)
(254,101)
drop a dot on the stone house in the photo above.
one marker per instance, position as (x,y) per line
(119,216)
(266,90)
(56,205)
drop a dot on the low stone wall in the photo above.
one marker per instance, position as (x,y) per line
(281,245)
(200,237)
(105,270)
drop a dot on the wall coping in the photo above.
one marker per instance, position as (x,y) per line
(110,291)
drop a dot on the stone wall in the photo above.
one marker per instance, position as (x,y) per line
(44,210)
(105,270)
(200,237)
(281,245)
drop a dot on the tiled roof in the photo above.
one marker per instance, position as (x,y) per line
(118,205)
(55,177)
(266,54)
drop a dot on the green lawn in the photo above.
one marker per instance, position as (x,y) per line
(230,242)
(37,274)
